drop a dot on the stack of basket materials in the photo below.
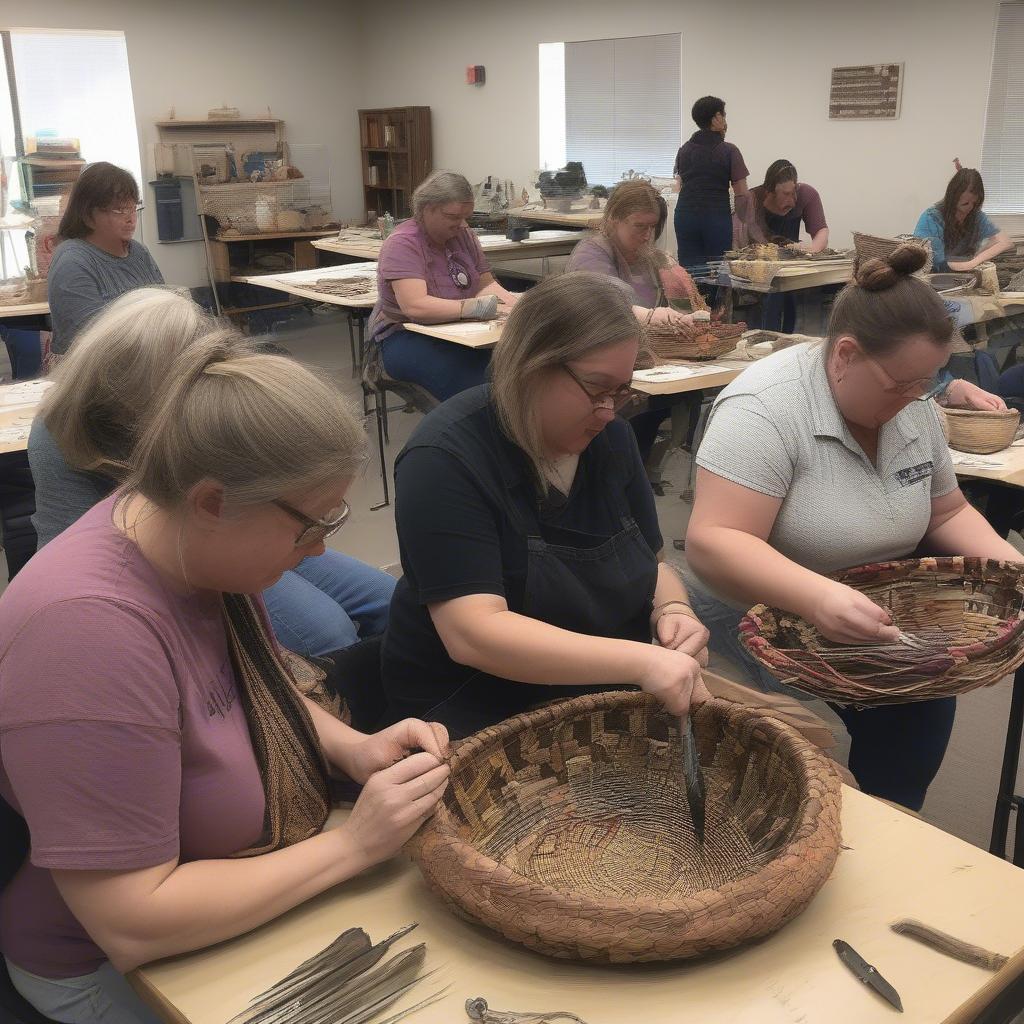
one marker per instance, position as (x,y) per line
(961,626)
(567,829)
(977,431)
(692,341)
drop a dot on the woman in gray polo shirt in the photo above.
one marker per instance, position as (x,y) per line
(827,456)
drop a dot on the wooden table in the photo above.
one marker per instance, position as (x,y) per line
(18,405)
(25,309)
(789,280)
(578,219)
(540,245)
(292,283)
(895,865)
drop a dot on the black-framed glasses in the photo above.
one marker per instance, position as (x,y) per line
(920,390)
(316,530)
(618,397)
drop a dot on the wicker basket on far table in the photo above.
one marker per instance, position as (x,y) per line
(567,829)
(961,623)
(869,247)
(980,431)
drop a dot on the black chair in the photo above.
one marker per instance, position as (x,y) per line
(14,846)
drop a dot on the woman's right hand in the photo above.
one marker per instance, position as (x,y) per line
(846,616)
(673,678)
(667,315)
(481,307)
(394,803)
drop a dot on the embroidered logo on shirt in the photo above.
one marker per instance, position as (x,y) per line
(913,474)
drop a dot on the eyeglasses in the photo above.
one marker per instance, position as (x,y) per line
(640,229)
(920,390)
(617,397)
(127,212)
(316,530)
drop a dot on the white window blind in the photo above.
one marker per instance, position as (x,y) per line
(622,105)
(1002,162)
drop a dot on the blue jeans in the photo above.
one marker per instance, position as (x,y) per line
(702,235)
(895,750)
(103,997)
(779,312)
(442,367)
(327,603)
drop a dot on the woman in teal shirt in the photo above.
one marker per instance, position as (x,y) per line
(961,236)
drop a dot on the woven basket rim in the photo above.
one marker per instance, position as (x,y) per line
(980,414)
(795,746)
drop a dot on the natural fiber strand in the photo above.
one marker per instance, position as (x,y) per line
(978,956)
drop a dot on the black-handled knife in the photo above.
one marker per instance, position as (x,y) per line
(866,973)
(695,795)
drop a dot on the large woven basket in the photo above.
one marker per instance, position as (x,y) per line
(870,247)
(756,271)
(979,431)
(692,341)
(961,620)
(567,829)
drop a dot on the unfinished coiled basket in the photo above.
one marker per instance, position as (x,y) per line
(980,431)
(567,829)
(692,341)
(961,623)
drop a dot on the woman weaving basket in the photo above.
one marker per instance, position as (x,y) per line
(529,538)
(831,455)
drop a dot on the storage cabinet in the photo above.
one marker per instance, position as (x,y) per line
(396,149)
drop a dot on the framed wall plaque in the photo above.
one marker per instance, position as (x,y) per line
(869,92)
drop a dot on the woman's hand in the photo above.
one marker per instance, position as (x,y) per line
(682,631)
(389,746)
(393,805)
(667,315)
(964,394)
(673,678)
(846,616)
(482,307)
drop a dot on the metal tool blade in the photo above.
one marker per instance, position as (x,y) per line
(695,795)
(866,973)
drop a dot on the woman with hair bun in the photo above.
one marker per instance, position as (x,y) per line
(830,455)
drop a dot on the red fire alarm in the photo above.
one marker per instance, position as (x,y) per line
(475,74)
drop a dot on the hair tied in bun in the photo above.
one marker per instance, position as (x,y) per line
(877,275)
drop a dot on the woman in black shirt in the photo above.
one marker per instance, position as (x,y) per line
(528,533)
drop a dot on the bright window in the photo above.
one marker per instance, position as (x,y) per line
(613,104)
(1002,162)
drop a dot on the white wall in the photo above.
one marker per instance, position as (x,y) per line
(301,59)
(769,59)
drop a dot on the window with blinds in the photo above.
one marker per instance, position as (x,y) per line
(612,104)
(1002,161)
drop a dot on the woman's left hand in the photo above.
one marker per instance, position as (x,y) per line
(963,394)
(389,746)
(680,631)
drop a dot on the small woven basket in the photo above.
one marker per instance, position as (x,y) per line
(980,432)
(567,829)
(870,247)
(692,341)
(756,271)
(961,622)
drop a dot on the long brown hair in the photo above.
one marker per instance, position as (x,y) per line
(967,179)
(100,186)
(884,304)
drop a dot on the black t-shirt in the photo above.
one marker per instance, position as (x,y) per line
(466,501)
(707,165)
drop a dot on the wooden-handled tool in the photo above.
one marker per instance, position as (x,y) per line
(949,945)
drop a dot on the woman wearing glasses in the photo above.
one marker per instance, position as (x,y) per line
(828,456)
(529,539)
(173,778)
(432,270)
(98,258)
(80,446)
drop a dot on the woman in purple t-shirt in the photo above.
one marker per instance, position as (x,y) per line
(431,270)
(172,771)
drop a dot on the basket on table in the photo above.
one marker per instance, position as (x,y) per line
(567,829)
(755,271)
(759,343)
(986,278)
(980,431)
(869,247)
(961,626)
(692,341)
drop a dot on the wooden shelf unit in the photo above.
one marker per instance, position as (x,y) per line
(396,151)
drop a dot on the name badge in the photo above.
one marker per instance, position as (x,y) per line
(913,474)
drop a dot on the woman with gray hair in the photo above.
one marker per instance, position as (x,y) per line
(431,270)
(530,544)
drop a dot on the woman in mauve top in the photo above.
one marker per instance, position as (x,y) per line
(171,770)
(431,270)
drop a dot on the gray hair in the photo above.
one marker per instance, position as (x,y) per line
(106,382)
(561,319)
(438,188)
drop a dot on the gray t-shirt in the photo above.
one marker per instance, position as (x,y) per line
(777,430)
(63,494)
(83,279)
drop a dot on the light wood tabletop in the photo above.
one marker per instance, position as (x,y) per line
(1005,467)
(25,309)
(575,219)
(893,865)
(293,283)
(539,245)
(792,279)
(18,405)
